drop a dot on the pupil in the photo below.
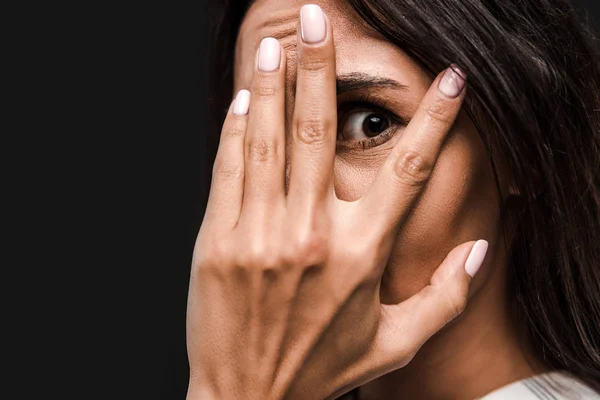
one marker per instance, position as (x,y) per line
(374,125)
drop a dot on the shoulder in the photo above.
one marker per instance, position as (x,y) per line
(556,385)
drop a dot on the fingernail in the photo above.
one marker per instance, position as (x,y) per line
(242,102)
(476,257)
(312,23)
(269,55)
(452,83)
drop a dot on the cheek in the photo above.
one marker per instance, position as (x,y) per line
(355,170)
(353,176)
(459,204)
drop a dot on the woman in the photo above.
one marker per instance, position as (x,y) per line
(340,247)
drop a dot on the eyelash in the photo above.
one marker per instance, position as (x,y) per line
(369,102)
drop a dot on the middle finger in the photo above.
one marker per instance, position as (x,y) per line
(314,125)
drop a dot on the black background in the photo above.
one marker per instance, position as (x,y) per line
(158,142)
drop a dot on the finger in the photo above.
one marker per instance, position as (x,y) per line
(314,121)
(406,326)
(409,165)
(265,136)
(227,185)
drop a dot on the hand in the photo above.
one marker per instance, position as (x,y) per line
(284,290)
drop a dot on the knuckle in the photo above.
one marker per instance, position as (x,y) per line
(457,301)
(305,250)
(236,128)
(208,261)
(265,88)
(313,132)
(313,63)
(412,168)
(224,169)
(439,110)
(262,149)
(253,256)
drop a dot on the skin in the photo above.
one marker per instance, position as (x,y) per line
(459,203)
(441,217)
(481,350)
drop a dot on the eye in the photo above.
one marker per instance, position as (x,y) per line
(364,124)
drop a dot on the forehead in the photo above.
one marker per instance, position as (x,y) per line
(278,18)
(358,46)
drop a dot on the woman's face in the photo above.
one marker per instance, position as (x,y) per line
(459,202)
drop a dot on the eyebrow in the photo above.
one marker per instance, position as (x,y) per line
(360,80)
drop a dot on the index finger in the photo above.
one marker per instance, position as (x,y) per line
(408,167)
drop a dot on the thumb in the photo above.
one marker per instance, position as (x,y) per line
(406,326)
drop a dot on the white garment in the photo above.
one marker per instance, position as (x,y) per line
(548,386)
(555,385)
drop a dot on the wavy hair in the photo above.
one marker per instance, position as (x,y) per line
(534,97)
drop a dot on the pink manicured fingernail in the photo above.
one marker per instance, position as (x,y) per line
(452,83)
(242,102)
(476,257)
(269,55)
(312,23)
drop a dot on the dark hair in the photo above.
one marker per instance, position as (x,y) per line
(534,96)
